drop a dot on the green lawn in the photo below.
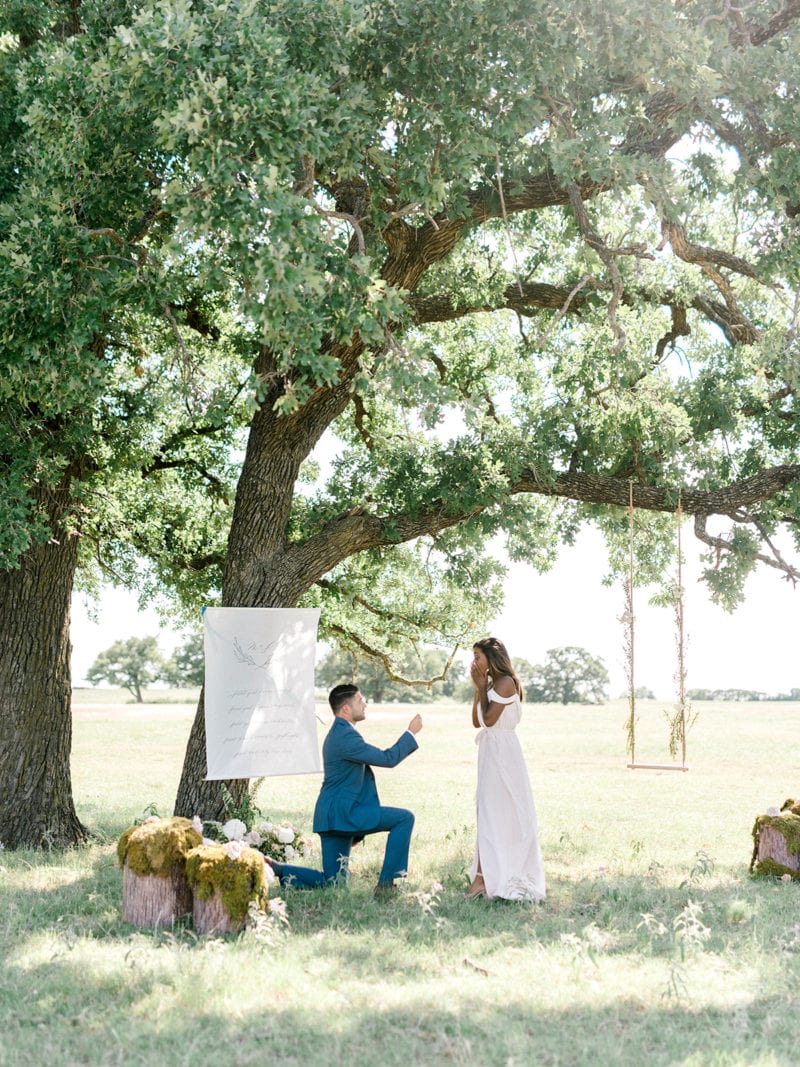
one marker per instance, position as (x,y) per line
(654,946)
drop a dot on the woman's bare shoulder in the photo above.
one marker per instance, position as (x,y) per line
(504,686)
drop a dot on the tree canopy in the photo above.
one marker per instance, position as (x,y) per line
(526,263)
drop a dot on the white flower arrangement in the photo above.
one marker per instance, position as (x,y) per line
(282,843)
(279,841)
(234,850)
(234,829)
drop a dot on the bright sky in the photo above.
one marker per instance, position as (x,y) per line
(755,648)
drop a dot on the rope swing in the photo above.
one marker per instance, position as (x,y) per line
(681,719)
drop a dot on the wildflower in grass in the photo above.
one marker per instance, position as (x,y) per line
(430,899)
(253,838)
(267,927)
(285,834)
(234,849)
(197,824)
(278,907)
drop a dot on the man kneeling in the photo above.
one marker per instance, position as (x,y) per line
(348,807)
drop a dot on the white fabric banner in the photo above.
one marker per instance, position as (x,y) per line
(259,695)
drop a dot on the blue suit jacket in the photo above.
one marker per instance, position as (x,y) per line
(348,800)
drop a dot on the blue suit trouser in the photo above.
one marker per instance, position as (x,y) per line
(397,822)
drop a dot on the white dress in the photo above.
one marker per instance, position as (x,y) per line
(508,834)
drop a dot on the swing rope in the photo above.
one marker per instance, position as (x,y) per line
(678,723)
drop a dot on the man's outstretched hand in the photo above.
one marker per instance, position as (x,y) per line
(416,724)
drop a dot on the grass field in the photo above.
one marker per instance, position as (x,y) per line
(654,945)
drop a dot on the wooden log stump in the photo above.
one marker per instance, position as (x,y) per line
(155,891)
(776,842)
(150,901)
(225,881)
(772,845)
(210,917)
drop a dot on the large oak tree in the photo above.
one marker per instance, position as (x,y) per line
(527,261)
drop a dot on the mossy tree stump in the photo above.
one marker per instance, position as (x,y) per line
(776,842)
(155,891)
(225,880)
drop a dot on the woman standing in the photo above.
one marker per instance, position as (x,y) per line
(508,861)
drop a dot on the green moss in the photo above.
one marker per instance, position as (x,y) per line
(787,825)
(772,867)
(209,868)
(157,846)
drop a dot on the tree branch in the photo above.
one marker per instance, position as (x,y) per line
(565,299)
(357,530)
(720,545)
(376,653)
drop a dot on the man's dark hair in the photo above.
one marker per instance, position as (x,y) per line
(339,695)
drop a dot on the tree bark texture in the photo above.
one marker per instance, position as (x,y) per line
(209,916)
(36,805)
(151,902)
(772,845)
(196,796)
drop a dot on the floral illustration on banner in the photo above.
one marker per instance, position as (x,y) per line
(247,655)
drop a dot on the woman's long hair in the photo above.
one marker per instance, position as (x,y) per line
(499,661)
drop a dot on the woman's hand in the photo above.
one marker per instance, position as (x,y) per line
(478,676)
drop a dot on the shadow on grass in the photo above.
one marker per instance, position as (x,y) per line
(617,913)
(79,981)
(102,1021)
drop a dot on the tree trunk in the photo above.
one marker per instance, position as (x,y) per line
(196,796)
(36,806)
(258,571)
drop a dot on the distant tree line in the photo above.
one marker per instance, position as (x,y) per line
(741,695)
(569,675)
